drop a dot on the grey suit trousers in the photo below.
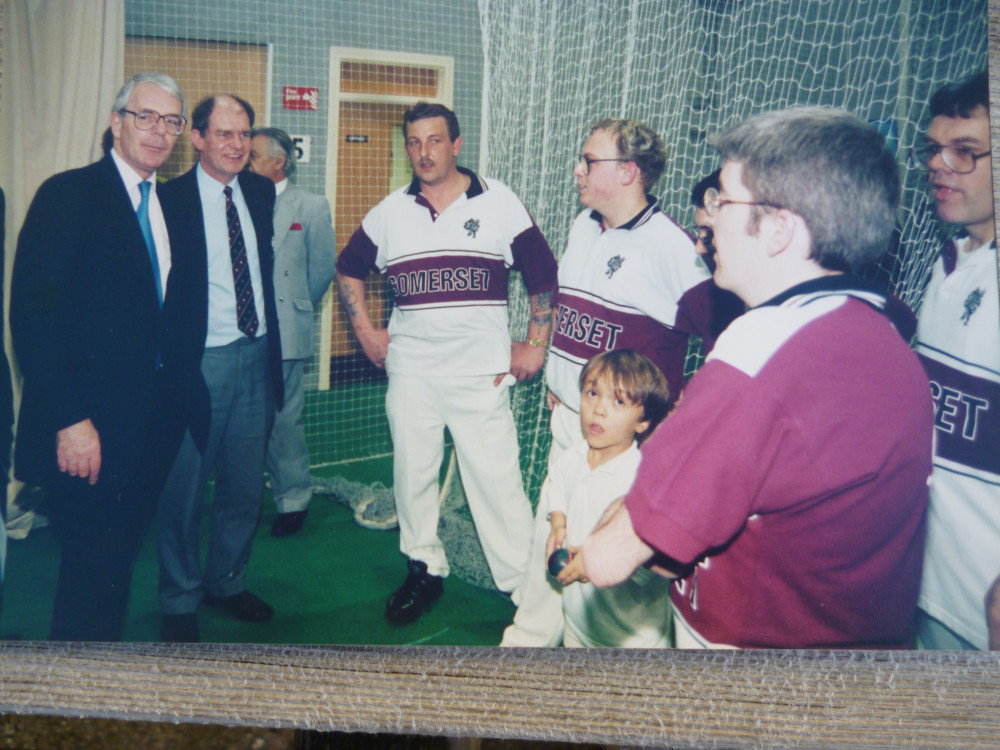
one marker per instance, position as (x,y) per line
(287,453)
(242,411)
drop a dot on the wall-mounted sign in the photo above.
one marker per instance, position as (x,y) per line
(357,139)
(300,97)
(302,144)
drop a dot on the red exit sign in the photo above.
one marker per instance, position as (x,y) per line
(300,97)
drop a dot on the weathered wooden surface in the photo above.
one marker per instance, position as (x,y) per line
(679,699)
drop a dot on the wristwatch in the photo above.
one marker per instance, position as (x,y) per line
(535,342)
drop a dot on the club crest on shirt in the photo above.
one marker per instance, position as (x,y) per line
(614,264)
(971,304)
(471,226)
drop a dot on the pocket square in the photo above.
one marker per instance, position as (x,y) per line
(295,227)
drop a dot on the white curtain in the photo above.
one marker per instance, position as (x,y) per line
(61,68)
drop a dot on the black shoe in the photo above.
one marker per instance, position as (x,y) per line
(286,524)
(417,594)
(179,628)
(243,606)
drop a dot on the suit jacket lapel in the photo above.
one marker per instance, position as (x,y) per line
(285,210)
(122,214)
(181,204)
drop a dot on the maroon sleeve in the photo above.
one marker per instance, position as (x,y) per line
(533,258)
(703,468)
(357,259)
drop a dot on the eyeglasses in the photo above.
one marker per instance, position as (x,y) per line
(586,161)
(701,233)
(959,159)
(714,204)
(147,119)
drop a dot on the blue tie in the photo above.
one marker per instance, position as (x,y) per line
(147,234)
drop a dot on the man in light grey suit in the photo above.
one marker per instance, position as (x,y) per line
(305,257)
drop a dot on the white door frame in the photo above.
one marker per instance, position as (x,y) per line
(338,56)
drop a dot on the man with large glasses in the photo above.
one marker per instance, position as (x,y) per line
(705,310)
(958,340)
(787,490)
(109,338)
(625,268)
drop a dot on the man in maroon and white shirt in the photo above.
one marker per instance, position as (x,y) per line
(626,266)
(787,491)
(446,244)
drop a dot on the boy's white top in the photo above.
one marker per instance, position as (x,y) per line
(634,614)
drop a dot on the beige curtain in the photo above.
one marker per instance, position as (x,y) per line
(61,68)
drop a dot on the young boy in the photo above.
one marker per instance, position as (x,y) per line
(624,397)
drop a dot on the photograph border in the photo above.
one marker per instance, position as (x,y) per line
(845,699)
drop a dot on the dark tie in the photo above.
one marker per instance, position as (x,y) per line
(246,311)
(142,213)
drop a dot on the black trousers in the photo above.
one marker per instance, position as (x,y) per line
(99,536)
(100,529)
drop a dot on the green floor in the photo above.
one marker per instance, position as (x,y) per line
(328,584)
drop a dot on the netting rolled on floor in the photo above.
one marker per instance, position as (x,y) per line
(691,68)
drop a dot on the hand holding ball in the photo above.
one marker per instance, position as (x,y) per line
(558,560)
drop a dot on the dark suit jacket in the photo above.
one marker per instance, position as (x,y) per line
(181,203)
(6,392)
(87,330)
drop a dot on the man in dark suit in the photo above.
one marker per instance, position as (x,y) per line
(6,417)
(223,216)
(305,258)
(108,333)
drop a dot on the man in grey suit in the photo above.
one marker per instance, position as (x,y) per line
(222,217)
(305,258)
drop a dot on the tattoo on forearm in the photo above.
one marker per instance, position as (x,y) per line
(541,309)
(348,298)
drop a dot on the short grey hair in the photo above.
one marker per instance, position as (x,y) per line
(637,143)
(162,80)
(829,167)
(279,143)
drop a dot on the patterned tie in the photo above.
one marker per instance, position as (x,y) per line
(246,311)
(142,213)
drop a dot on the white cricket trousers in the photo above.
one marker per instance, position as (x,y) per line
(478,416)
(539,621)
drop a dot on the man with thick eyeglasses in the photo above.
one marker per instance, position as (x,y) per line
(787,490)
(108,336)
(705,310)
(625,267)
(701,231)
(958,340)
(148,119)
